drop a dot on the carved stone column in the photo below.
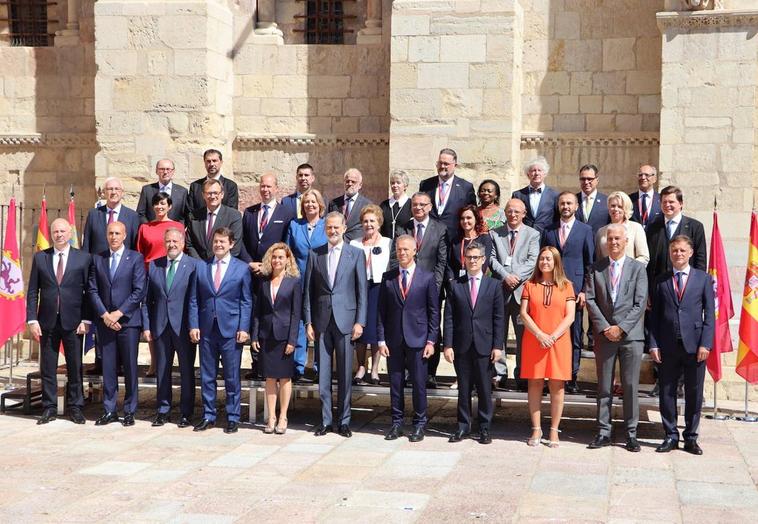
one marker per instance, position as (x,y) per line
(266,26)
(70,35)
(372,33)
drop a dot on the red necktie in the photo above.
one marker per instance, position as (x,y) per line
(59,269)
(110,216)
(264,219)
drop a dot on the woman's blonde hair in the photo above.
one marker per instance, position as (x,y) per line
(559,275)
(290,267)
(374,210)
(319,199)
(626,202)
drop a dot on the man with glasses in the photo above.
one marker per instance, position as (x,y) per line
(211,217)
(593,205)
(646,202)
(179,211)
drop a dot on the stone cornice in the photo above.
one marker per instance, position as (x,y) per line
(48,139)
(19,139)
(707,19)
(589,139)
(245,141)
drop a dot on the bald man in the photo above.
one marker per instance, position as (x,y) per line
(57,312)
(351,204)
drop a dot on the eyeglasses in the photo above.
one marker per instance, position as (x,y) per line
(473,258)
(587,179)
(212,193)
(421,205)
(645,175)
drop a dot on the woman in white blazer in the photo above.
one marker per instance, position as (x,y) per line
(376,248)
(620,211)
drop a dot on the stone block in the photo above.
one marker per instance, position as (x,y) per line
(706,136)
(569,123)
(567,26)
(497,102)
(415,103)
(143,32)
(183,32)
(643,82)
(619,104)
(581,83)
(630,123)
(443,75)
(695,157)
(399,49)
(379,106)
(580,55)
(463,48)
(476,25)
(156,62)
(345,125)
(410,25)
(736,45)
(611,83)
(112,32)
(555,83)
(424,49)
(533,104)
(600,123)
(370,124)
(618,54)
(736,157)
(461,102)
(535,54)
(404,76)
(647,52)
(356,107)
(190,62)
(329,107)
(537,122)
(591,104)
(649,104)
(328,86)
(254,86)
(490,75)
(500,48)
(569,104)
(285,86)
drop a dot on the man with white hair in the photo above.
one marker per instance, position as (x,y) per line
(351,204)
(95,240)
(541,200)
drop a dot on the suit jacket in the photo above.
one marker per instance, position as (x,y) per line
(176,308)
(196,200)
(125,292)
(577,254)
(198,244)
(654,208)
(290,202)
(598,214)
(253,246)
(456,263)
(461,193)
(45,298)
(280,319)
(629,309)
(522,261)
(95,240)
(694,315)
(435,249)
(547,212)
(230,306)
(301,244)
(354,229)
(179,203)
(380,262)
(482,325)
(346,301)
(411,321)
(402,217)
(658,245)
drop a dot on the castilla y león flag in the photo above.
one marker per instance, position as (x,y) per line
(12,304)
(718,269)
(747,352)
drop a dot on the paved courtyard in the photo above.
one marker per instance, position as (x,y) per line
(66,473)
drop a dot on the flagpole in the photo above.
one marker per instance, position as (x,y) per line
(716,415)
(747,417)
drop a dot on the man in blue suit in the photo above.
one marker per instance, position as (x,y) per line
(334,307)
(646,202)
(304,180)
(474,333)
(117,289)
(170,308)
(407,330)
(680,337)
(224,296)
(593,205)
(576,244)
(448,193)
(94,239)
(540,200)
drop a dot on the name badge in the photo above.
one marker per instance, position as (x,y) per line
(461,272)
(508,260)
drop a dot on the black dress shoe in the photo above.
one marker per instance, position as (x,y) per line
(502,382)
(107,418)
(344,430)
(656,390)
(231,427)
(76,416)
(250,375)
(47,416)
(417,435)
(600,441)
(204,424)
(394,432)
(160,419)
(128,419)
(632,445)
(458,436)
(323,430)
(571,387)
(484,436)
(691,446)
(431,383)
(184,422)
(667,445)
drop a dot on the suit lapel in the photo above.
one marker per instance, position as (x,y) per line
(670,287)
(395,283)
(160,265)
(341,262)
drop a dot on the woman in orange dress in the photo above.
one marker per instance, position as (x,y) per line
(547,310)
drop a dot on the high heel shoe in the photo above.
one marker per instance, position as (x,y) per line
(534,442)
(270,427)
(281,428)
(554,443)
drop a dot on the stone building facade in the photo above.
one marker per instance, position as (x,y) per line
(613,82)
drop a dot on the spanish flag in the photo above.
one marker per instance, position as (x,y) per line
(747,352)
(43,230)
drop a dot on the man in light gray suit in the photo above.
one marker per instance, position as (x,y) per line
(515,247)
(334,308)
(616,293)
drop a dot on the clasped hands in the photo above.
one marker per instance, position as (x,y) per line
(111,319)
(242,336)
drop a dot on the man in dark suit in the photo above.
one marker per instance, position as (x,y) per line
(304,180)
(213,161)
(117,289)
(95,240)
(169,309)
(432,251)
(593,205)
(407,330)
(57,310)
(209,218)
(473,339)
(575,242)
(646,202)
(616,292)
(448,192)
(179,196)
(540,200)
(334,310)
(680,338)
(224,297)
(351,204)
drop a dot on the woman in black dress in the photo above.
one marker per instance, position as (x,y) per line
(276,318)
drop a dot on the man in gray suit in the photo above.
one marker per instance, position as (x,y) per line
(616,294)
(515,247)
(179,211)
(334,309)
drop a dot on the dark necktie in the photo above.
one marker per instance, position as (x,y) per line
(419,235)
(348,207)
(209,230)
(264,219)
(538,190)
(59,269)
(111,214)
(404,282)
(644,209)
(170,275)
(513,239)
(395,207)
(679,283)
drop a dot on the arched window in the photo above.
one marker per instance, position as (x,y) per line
(324,22)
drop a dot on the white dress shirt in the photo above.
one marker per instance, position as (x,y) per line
(224,266)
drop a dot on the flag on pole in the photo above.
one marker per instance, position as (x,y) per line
(12,303)
(74,241)
(43,231)
(719,271)
(747,352)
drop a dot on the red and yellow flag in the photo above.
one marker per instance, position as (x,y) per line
(74,241)
(719,271)
(43,230)
(12,303)
(747,352)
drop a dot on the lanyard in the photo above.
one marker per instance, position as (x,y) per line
(679,293)
(463,247)
(404,291)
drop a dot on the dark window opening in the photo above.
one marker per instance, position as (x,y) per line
(28,23)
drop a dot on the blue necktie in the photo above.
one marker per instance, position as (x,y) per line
(114,264)
(405,281)
(670,228)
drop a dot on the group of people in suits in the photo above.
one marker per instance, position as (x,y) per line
(437,273)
